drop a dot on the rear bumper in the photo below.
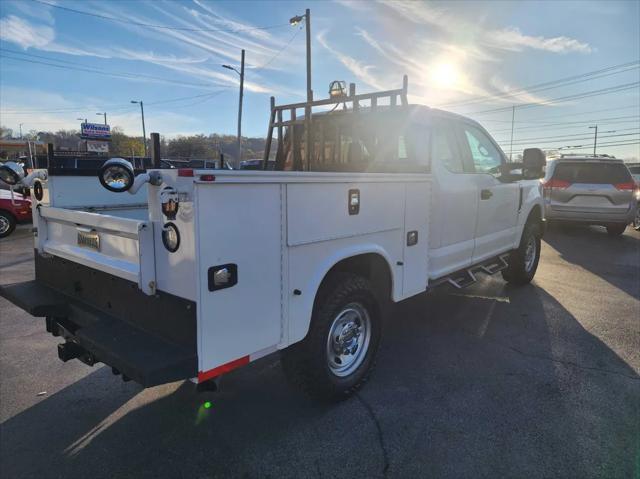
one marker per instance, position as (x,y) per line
(589,217)
(148,339)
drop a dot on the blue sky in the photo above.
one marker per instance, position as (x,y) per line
(453,52)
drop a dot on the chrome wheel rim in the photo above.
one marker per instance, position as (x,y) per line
(348,340)
(530,254)
(4,225)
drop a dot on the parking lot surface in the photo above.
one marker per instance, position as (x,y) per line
(491,381)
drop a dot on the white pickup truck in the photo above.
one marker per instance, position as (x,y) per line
(199,272)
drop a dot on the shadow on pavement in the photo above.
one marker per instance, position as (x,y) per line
(618,258)
(465,387)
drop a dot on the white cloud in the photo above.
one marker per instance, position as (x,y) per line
(24,34)
(512,38)
(361,71)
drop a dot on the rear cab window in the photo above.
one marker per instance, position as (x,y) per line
(373,142)
(592,172)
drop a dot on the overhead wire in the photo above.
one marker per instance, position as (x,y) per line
(595,74)
(164,27)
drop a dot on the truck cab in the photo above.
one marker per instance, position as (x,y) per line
(354,208)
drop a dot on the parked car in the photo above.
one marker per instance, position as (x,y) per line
(594,190)
(13,211)
(634,169)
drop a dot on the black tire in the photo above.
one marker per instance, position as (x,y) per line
(7,224)
(521,271)
(307,364)
(616,229)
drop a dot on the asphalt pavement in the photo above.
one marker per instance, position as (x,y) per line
(491,381)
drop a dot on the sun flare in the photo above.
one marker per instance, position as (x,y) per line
(445,75)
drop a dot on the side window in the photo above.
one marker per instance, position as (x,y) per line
(486,157)
(443,147)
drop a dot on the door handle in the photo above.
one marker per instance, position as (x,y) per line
(485,194)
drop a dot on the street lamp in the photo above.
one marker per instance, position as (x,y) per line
(239,141)
(105,116)
(144,131)
(293,22)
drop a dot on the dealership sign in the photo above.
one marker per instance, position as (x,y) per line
(98,146)
(95,131)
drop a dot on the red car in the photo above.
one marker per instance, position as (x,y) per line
(13,212)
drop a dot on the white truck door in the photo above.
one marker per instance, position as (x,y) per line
(454,203)
(498,201)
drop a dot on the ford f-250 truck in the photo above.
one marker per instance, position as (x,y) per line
(198,272)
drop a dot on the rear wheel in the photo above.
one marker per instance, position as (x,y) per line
(7,224)
(335,358)
(616,229)
(636,219)
(523,262)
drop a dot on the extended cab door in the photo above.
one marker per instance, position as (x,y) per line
(454,202)
(498,201)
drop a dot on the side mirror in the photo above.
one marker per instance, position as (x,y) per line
(11,173)
(533,163)
(116,175)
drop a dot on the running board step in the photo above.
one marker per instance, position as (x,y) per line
(466,277)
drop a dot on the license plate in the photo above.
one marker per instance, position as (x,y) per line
(89,239)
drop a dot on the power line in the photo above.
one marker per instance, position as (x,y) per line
(284,47)
(574,124)
(564,140)
(547,102)
(577,136)
(589,146)
(551,84)
(541,120)
(164,27)
(103,72)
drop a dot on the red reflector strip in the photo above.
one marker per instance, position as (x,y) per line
(207,177)
(225,368)
(626,186)
(185,172)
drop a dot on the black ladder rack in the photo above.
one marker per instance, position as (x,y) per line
(276,118)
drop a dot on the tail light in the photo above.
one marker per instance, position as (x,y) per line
(555,183)
(186,172)
(628,186)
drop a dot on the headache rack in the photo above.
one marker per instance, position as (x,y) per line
(301,162)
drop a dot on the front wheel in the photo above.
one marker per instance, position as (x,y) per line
(335,358)
(523,262)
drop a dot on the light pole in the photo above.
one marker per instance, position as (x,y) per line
(83,119)
(144,131)
(595,138)
(105,116)
(241,73)
(294,21)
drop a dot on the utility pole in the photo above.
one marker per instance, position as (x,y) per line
(307,16)
(240,111)
(144,131)
(239,140)
(513,117)
(307,22)
(595,138)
